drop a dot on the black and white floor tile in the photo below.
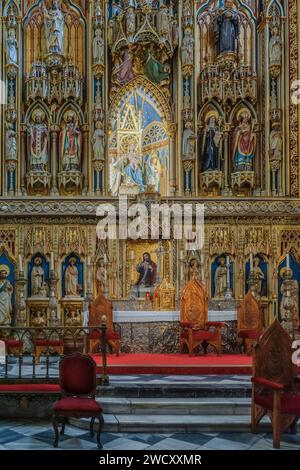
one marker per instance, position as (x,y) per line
(38,435)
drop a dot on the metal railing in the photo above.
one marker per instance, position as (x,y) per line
(21,363)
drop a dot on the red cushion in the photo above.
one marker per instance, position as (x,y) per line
(217,324)
(49,342)
(267,383)
(249,334)
(109,335)
(13,343)
(203,335)
(290,402)
(77,404)
(30,388)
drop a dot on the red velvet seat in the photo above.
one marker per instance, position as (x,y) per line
(249,334)
(41,346)
(290,402)
(49,342)
(77,380)
(14,346)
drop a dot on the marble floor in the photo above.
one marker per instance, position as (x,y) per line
(38,435)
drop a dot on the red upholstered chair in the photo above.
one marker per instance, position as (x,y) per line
(249,326)
(77,380)
(194,327)
(273,382)
(99,307)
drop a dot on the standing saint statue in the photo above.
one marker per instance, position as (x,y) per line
(38,142)
(187,50)
(244,144)
(227,29)
(71,278)
(258,275)
(188,142)
(294,295)
(10,142)
(211,145)
(275,46)
(54,27)
(5,296)
(220,278)
(98,142)
(98,47)
(11,45)
(100,276)
(276,142)
(37,277)
(70,144)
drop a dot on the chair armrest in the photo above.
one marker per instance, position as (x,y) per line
(275,386)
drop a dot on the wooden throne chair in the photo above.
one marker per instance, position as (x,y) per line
(195,329)
(249,324)
(99,307)
(273,382)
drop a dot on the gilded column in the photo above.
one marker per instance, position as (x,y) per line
(54,134)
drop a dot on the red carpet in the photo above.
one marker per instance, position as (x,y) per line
(176,364)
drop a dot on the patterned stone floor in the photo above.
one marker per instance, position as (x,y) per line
(38,435)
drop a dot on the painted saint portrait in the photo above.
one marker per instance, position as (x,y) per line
(147,270)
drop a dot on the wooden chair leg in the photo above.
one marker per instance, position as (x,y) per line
(276,421)
(92,427)
(55,427)
(62,432)
(100,429)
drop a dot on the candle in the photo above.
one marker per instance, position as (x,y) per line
(52,262)
(202,258)
(251,261)
(88,261)
(227,260)
(181,254)
(132,255)
(288,261)
(21,263)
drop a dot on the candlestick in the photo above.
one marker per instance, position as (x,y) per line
(251,261)
(288,261)
(52,262)
(21,263)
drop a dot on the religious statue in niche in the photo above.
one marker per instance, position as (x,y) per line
(294,294)
(227,30)
(276,142)
(37,277)
(38,142)
(54,27)
(98,142)
(130,23)
(11,46)
(258,276)
(10,142)
(187,51)
(100,275)
(147,270)
(188,142)
(72,287)
(70,144)
(275,46)
(211,153)
(6,290)
(220,278)
(244,143)
(73,317)
(38,318)
(98,47)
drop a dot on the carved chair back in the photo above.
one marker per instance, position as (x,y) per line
(99,307)
(194,304)
(248,314)
(272,356)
